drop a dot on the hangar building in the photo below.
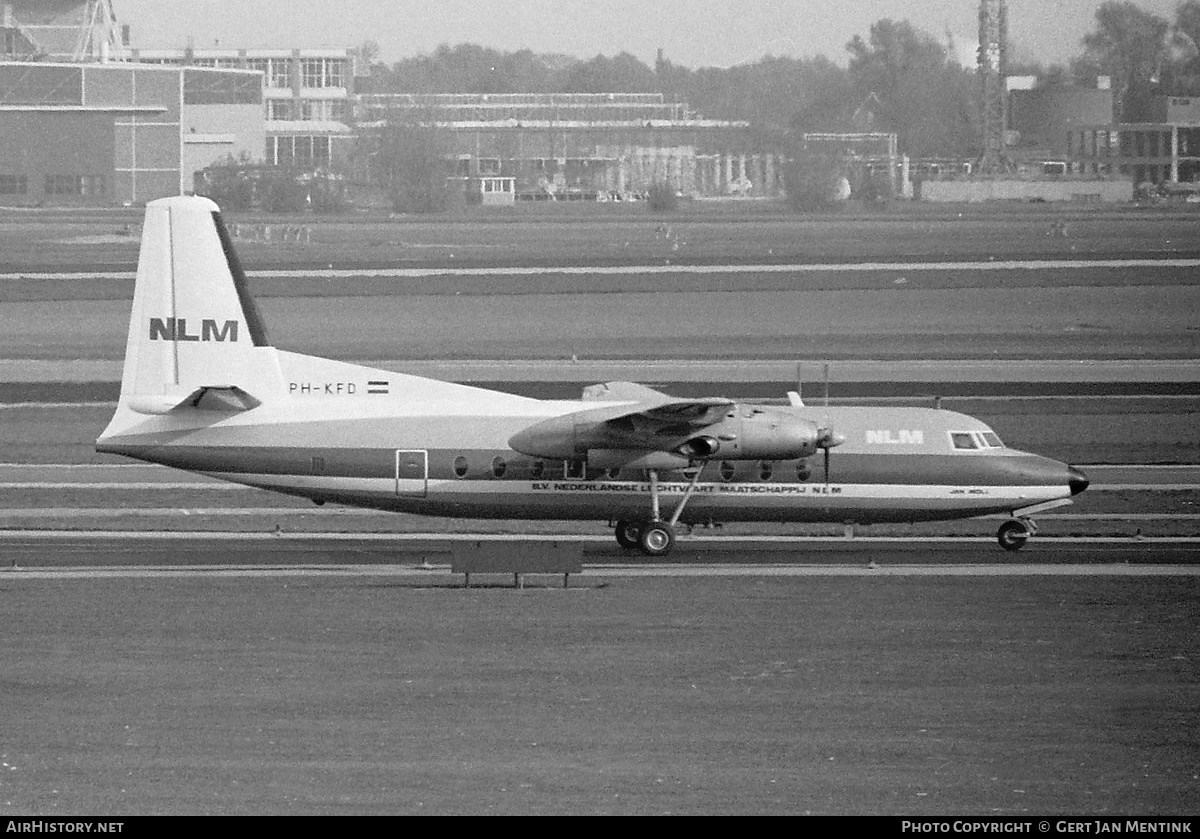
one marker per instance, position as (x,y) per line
(117,133)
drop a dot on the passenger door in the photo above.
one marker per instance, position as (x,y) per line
(412,472)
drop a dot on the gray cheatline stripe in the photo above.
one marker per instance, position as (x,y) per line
(626,270)
(223,485)
(398,537)
(332,511)
(120,485)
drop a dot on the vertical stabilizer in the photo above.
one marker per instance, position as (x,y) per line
(193,323)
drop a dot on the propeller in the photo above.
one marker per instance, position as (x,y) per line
(827,438)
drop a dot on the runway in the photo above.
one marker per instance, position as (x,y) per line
(272,675)
(943,373)
(653,269)
(336,672)
(426,556)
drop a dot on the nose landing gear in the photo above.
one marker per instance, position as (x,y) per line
(1014,533)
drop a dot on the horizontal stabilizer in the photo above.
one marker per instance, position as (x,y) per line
(227,398)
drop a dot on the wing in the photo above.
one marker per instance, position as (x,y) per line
(642,419)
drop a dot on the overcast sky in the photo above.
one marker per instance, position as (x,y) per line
(694,33)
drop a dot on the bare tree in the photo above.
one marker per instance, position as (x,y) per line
(409,161)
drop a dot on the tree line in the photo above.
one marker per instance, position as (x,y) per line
(898,78)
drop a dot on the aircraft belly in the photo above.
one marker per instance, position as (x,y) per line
(580,499)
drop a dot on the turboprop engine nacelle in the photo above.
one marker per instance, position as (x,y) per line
(756,433)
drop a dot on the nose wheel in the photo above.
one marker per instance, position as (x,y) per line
(1013,534)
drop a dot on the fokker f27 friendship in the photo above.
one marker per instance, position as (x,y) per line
(204,390)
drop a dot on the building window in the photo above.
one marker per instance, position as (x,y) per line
(279,74)
(322,72)
(88,185)
(278,109)
(14,185)
(312,72)
(335,73)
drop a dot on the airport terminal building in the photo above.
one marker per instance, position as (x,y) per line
(118,133)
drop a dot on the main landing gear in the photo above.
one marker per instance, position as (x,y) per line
(653,536)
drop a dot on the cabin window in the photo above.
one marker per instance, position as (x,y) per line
(993,439)
(460,467)
(612,473)
(727,470)
(802,470)
(537,469)
(499,467)
(318,466)
(963,441)
(765,469)
(574,469)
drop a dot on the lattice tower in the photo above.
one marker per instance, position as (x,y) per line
(993,67)
(100,35)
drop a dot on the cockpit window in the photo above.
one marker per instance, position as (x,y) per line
(963,441)
(993,439)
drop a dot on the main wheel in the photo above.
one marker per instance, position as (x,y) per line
(1012,535)
(656,538)
(628,534)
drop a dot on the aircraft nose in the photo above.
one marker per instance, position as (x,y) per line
(1076,480)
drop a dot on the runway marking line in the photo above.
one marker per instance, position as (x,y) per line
(1025,570)
(627,270)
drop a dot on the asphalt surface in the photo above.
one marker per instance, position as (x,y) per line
(351,673)
(1028,689)
(399,553)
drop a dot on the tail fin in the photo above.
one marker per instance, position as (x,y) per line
(194,327)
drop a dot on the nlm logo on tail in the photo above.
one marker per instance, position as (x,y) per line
(176,329)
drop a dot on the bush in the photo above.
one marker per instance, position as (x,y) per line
(663,198)
(284,195)
(811,181)
(327,195)
(419,197)
(877,188)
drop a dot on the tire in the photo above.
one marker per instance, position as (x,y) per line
(1012,535)
(628,534)
(657,538)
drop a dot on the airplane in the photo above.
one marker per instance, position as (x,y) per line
(203,389)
